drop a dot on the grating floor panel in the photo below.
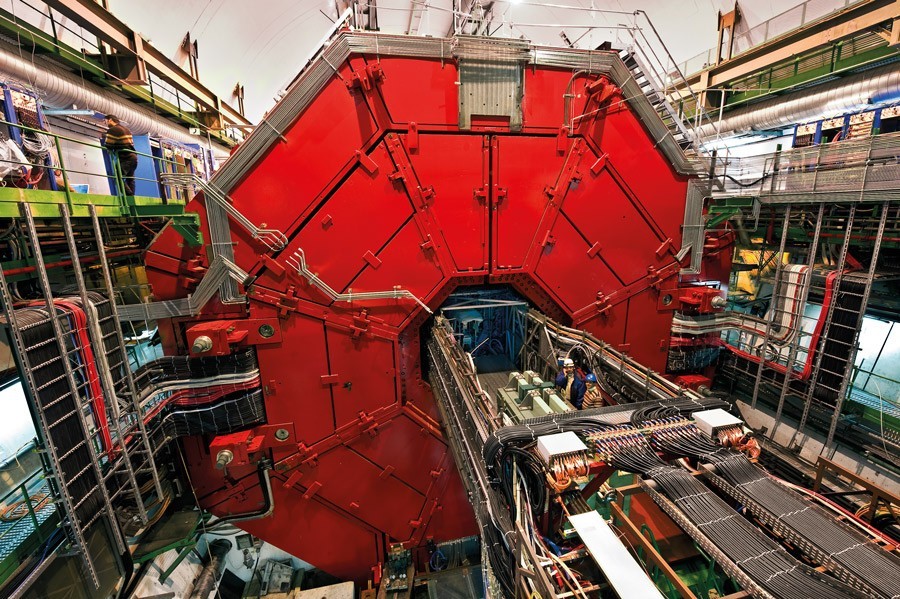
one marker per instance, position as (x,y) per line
(15,533)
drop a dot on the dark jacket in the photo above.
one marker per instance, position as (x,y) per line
(578,389)
(118,137)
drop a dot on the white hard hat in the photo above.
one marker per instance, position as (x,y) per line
(568,362)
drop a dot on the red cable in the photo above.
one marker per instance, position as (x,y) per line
(87,356)
(813,342)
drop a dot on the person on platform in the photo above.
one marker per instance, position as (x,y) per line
(592,396)
(570,385)
(118,140)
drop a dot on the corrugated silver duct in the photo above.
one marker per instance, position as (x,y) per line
(832,98)
(60,88)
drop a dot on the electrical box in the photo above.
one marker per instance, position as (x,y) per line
(551,446)
(712,421)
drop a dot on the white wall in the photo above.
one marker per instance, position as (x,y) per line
(84,158)
(16,425)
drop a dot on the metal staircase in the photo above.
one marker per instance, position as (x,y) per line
(665,86)
(654,92)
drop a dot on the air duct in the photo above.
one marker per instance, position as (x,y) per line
(833,98)
(61,89)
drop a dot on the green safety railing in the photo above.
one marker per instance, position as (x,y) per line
(877,404)
(857,370)
(25,541)
(45,203)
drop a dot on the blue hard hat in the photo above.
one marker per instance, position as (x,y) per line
(591,378)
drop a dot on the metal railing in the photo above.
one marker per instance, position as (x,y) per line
(26,531)
(161,165)
(678,105)
(864,170)
(877,396)
(25,498)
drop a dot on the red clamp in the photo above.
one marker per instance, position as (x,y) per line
(602,305)
(602,89)
(368,424)
(365,78)
(654,277)
(360,324)
(216,337)
(703,300)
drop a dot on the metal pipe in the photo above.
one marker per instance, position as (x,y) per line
(61,89)
(265,483)
(835,97)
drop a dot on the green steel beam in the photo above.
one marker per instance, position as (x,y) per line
(764,83)
(45,204)
(837,26)
(188,226)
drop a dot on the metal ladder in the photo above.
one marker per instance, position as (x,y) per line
(76,526)
(124,388)
(847,348)
(774,311)
(112,364)
(794,347)
(854,344)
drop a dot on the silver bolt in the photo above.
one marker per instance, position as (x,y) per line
(223,458)
(202,344)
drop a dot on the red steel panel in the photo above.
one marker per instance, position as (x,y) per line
(327,538)
(455,166)
(542,105)
(295,172)
(420,90)
(525,166)
(356,485)
(404,264)
(568,272)
(360,217)
(648,331)
(391,448)
(366,371)
(294,385)
(646,171)
(453,513)
(605,215)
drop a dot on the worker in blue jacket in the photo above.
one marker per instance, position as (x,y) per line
(570,385)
